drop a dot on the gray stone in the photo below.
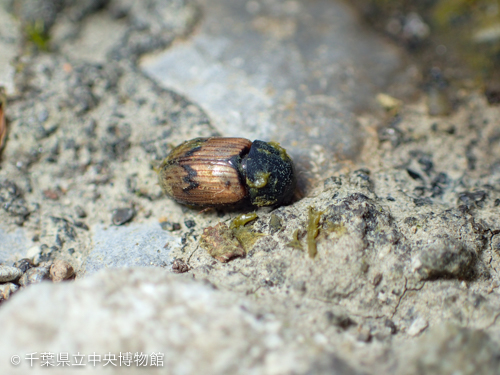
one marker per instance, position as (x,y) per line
(88,128)
(444,258)
(61,270)
(34,276)
(9,273)
(450,350)
(147,310)
(292,71)
(121,216)
(13,243)
(135,245)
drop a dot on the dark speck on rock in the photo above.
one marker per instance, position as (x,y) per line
(122,215)
(414,175)
(439,183)
(80,212)
(426,163)
(390,324)
(473,198)
(71,251)
(179,266)
(51,194)
(171,227)
(419,202)
(392,135)
(189,223)
(363,173)
(492,92)
(377,279)
(341,321)
(81,224)
(24,264)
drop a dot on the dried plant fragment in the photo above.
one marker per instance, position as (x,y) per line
(313,231)
(295,243)
(221,243)
(61,270)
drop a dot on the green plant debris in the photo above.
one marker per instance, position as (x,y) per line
(220,242)
(36,34)
(313,231)
(295,243)
(242,220)
(274,223)
(244,234)
(261,179)
(338,228)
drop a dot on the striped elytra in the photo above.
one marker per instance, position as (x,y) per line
(220,171)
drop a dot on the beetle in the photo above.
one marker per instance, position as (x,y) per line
(218,172)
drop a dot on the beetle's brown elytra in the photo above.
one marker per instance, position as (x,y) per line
(220,172)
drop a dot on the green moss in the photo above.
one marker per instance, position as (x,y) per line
(244,234)
(36,34)
(295,243)
(220,242)
(242,219)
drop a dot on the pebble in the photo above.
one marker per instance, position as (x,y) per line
(122,215)
(8,273)
(322,102)
(171,227)
(61,270)
(6,290)
(34,276)
(179,266)
(364,335)
(189,223)
(34,253)
(24,264)
(417,326)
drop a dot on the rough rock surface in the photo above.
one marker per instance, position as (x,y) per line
(9,44)
(140,310)
(408,233)
(272,70)
(135,245)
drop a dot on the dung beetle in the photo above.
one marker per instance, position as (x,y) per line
(218,172)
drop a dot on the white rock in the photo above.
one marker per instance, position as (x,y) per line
(417,326)
(199,330)
(33,253)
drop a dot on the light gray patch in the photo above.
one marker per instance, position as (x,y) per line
(144,245)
